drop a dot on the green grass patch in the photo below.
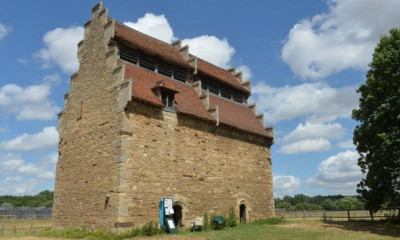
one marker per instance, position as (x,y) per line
(269,221)
(149,229)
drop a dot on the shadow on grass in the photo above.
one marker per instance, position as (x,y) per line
(376,227)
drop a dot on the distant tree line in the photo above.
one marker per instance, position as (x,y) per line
(333,202)
(42,199)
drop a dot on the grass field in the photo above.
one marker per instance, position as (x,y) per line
(289,229)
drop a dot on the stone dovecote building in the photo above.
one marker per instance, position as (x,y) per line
(144,120)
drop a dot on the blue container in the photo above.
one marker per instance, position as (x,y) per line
(162,214)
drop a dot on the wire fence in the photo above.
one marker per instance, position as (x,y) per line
(337,215)
(26,212)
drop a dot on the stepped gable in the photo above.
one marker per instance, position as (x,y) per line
(186,99)
(150,45)
(239,116)
(220,74)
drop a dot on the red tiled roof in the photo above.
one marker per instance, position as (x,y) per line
(220,74)
(186,99)
(238,116)
(149,44)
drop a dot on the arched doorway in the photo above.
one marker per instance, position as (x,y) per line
(242,213)
(177,216)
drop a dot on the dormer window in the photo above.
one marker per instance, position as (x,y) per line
(167,98)
(166,94)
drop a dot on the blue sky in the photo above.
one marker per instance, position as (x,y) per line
(305,60)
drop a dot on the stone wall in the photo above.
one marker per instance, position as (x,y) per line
(89,136)
(193,161)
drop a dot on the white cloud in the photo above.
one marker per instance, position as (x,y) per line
(10,162)
(16,185)
(212,49)
(156,26)
(4,30)
(346,144)
(343,38)
(30,103)
(315,130)
(246,72)
(286,184)
(46,139)
(339,174)
(311,137)
(18,177)
(52,79)
(61,48)
(317,102)
(306,145)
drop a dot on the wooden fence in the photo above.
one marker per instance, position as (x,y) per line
(337,215)
(10,226)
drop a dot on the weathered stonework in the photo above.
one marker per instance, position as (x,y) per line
(120,156)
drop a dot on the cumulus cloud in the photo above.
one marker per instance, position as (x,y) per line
(16,185)
(306,145)
(46,139)
(29,103)
(316,102)
(246,72)
(286,184)
(311,137)
(212,49)
(19,177)
(343,38)
(156,26)
(315,130)
(339,174)
(61,48)
(4,30)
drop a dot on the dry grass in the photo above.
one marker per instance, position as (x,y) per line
(18,227)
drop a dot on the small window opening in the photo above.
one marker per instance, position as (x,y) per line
(166,95)
(242,210)
(167,98)
(80,112)
(177,216)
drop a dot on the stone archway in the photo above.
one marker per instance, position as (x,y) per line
(243,210)
(180,210)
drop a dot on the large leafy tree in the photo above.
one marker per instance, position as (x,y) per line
(377,136)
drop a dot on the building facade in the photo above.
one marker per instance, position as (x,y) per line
(146,120)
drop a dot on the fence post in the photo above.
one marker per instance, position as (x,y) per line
(31,225)
(284,210)
(324,215)
(348,215)
(2,224)
(304,213)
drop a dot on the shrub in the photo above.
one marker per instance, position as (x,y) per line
(231,220)
(150,229)
(206,222)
